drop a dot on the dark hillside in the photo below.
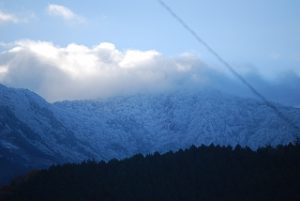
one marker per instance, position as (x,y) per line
(205,173)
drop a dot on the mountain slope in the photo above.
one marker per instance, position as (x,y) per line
(203,173)
(147,123)
(34,133)
(31,136)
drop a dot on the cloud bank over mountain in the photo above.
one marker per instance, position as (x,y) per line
(80,72)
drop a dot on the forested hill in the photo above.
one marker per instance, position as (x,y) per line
(204,173)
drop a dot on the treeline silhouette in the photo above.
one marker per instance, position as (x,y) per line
(205,173)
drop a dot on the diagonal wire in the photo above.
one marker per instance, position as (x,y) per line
(229,67)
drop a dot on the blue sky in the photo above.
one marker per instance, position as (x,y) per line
(262,35)
(238,29)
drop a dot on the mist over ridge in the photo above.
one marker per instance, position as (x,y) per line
(77,72)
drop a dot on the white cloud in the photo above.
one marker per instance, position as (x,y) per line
(8,17)
(80,72)
(3,69)
(134,58)
(64,12)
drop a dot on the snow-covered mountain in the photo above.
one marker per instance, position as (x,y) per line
(31,136)
(162,122)
(34,133)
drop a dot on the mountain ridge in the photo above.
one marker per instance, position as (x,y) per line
(35,133)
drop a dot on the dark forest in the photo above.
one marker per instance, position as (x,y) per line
(205,173)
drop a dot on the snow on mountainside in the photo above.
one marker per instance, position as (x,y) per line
(45,132)
(147,123)
(34,133)
(31,136)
